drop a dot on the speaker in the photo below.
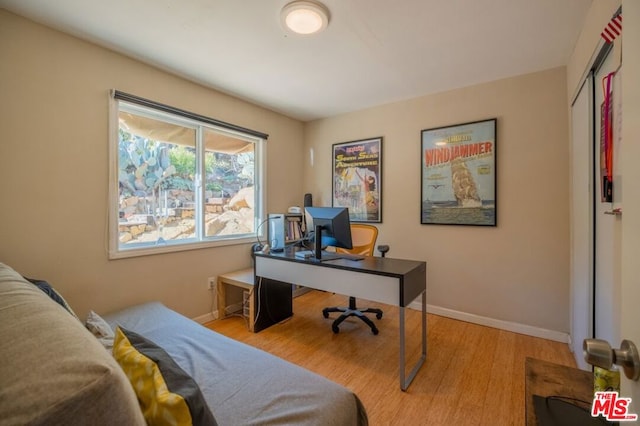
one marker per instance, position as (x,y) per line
(276,232)
(308,201)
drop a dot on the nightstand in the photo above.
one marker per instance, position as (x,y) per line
(547,379)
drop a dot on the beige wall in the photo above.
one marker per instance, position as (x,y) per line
(518,271)
(54,178)
(53,181)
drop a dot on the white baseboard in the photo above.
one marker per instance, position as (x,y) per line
(514,327)
(210,316)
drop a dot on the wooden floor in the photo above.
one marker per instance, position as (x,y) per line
(473,375)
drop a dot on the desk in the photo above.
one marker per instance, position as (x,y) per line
(391,281)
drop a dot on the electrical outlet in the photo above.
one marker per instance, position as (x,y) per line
(211,283)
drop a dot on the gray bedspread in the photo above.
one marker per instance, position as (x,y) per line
(241,384)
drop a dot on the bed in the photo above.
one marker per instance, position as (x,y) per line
(243,385)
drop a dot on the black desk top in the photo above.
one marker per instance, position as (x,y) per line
(370,264)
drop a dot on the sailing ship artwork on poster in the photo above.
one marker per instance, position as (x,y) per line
(459,174)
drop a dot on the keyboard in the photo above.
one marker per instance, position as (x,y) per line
(350,256)
(327,255)
(304,254)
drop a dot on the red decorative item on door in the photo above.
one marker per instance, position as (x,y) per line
(606,141)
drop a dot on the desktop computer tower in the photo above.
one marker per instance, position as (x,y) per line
(276,232)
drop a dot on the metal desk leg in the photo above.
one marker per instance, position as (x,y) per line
(404,383)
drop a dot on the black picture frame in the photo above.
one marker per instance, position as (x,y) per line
(357,179)
(458,174)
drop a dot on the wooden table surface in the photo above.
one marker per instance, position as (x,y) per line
(546,379)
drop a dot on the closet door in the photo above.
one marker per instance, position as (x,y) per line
(607,254)
(582,220)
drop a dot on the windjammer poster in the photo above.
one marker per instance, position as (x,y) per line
(459,174)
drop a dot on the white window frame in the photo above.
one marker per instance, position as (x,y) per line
(115,250)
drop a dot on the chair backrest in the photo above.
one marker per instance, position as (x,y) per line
(363,238)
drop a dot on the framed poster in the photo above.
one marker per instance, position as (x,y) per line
(357,174)
(458,165)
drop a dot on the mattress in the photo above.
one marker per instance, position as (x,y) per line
(241,384)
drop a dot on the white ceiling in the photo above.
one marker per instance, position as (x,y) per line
(373,52)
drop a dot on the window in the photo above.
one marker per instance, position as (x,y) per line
(180,180)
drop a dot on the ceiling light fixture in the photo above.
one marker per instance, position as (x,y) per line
(305,17)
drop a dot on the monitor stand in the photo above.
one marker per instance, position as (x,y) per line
(318,242)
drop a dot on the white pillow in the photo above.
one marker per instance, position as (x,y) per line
(101,329)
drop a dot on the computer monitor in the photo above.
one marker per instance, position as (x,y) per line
(331,227)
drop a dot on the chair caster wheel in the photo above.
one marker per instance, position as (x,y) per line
(379,316)
(375,331)
(325,314)
(335,329)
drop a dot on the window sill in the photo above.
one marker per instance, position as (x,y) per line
(172,248)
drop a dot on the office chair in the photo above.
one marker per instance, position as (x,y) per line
(364,241)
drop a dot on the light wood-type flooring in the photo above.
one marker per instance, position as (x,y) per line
(473,375)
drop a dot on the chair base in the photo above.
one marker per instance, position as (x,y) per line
(353,311)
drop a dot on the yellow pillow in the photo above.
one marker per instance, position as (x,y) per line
(167,394)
